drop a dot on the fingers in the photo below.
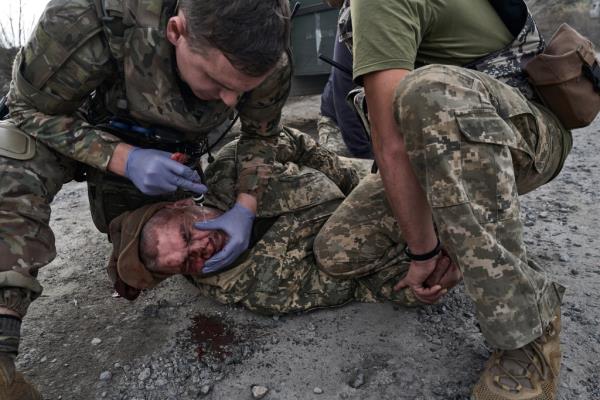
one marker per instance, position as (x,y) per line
(401,284)
(452,277)
(197,188)
(220,260)
(211,225)
(440,270)
(429,295)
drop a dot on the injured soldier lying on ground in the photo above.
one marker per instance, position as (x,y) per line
(279,273)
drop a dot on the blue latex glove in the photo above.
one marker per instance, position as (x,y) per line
(237,224)
(154,173)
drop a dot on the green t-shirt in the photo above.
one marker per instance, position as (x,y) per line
(399,34)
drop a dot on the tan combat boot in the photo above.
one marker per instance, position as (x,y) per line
(527,373)
(13,386)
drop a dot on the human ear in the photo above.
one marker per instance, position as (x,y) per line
(175,29)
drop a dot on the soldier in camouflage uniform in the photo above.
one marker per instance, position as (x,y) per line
(457,140)
(278,274)
(111,88)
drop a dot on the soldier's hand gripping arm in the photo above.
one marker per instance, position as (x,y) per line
(404,193)
(260,115)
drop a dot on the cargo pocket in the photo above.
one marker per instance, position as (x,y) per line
(487,146)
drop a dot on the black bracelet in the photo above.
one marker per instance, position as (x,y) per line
(426,256)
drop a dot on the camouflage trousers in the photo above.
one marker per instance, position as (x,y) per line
(26,241)
(279,273)
(475,144)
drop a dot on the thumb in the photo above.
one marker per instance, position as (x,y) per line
(208,225)
(403,283)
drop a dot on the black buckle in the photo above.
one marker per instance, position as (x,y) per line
(592,72)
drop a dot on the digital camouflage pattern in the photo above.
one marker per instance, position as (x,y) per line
(330,136)
(506,64)
(126,61)
(475,144)
(279,273)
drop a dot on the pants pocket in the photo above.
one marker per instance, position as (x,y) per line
(488,143)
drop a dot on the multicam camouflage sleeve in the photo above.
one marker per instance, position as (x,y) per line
(64,61)
(260,115)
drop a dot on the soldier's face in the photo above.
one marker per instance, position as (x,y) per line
(208,73)
(183,249)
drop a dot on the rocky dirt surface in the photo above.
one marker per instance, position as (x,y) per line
(80,342)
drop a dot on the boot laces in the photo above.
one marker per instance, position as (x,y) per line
(530,355)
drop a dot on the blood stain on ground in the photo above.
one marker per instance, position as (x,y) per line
(211,337)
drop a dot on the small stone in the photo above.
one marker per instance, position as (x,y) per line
(544,214)
(117,365)
(258,392)
(145,374)
(205,389)
(106,376)
(104,394)
(44,359)
(96,341)
(563,258)
(318,390)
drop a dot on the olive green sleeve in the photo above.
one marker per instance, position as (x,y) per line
(64,61)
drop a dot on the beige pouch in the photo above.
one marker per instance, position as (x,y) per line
(14,143)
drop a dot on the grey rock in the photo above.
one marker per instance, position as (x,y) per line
(145,374)
(106,376)
(258,391)
(96,341)
(318,390)
(205,389)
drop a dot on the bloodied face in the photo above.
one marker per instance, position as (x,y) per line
(171,245)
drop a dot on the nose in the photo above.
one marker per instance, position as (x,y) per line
(229,97)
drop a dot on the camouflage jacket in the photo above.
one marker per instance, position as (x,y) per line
(304,174)
(117,50)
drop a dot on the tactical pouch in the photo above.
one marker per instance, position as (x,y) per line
(566,77)
(14,143)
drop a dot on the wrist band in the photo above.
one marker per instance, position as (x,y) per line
(426,256)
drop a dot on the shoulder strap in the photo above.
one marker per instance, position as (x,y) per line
(512,12)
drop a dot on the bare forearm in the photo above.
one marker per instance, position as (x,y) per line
(406,198)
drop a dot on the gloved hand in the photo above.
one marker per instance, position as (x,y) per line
(13,385)
(237,224)
(154,173)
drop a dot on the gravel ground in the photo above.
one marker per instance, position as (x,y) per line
(80,342)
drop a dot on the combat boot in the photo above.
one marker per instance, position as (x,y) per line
(13,386)
(527,373)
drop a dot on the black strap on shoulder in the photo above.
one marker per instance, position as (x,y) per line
(512,12)
(3,107)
